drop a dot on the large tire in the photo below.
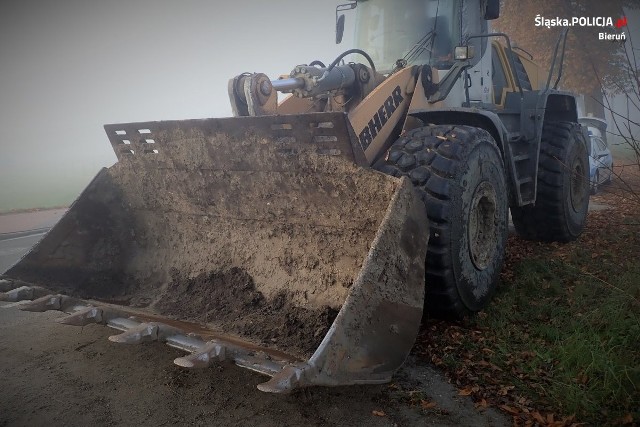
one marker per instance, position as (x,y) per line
(562,198)
(459,173)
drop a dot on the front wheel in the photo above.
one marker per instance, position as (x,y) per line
(459,173)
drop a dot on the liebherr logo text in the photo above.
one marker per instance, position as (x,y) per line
(380,118)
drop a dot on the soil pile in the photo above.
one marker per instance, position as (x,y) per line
(228,300)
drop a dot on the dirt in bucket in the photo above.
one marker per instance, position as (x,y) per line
(228,300)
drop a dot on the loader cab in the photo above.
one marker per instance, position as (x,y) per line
(401,33)
(418,32)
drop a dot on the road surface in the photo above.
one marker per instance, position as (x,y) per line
(20,231)
(12,249)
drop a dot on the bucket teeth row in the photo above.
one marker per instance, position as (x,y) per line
(202,354)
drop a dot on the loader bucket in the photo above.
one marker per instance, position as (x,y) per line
(264,240)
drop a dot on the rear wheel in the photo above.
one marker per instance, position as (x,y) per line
(562,198)
(459,173)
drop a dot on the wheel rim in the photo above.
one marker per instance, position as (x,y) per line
(482,230)
(577,188)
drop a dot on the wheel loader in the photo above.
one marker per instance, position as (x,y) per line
(306,237)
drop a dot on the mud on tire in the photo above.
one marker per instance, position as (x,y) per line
(562,198)
(459,173)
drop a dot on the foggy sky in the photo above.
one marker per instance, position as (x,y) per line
(69,66)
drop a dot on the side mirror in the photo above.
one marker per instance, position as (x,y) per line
(492,10)
(340,19)
(339,29)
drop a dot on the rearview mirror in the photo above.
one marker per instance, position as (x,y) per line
(492,10)
(339,29)
(340,19)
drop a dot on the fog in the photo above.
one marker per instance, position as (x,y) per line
(68,67)
(624,134)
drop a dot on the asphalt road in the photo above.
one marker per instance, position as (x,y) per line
(13,248)
(19,231)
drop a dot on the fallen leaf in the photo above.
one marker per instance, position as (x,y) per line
(379,413)
(427,405)
(465,392)
(627,419)
(539,418)
(504,390)
(482,405)
(509,409)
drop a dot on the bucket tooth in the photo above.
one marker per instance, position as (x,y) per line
(23,293)
(7,285)
(291,377)
(144,332)
(20,294)
(212,351)
(84,317)
(46,303)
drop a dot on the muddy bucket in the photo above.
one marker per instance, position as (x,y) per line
(263,240)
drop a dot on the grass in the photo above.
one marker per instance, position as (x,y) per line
(582,332)
(562,337)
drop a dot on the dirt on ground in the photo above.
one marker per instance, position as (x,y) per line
(55,375)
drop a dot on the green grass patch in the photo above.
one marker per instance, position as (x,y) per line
(584,335)
(561,337)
